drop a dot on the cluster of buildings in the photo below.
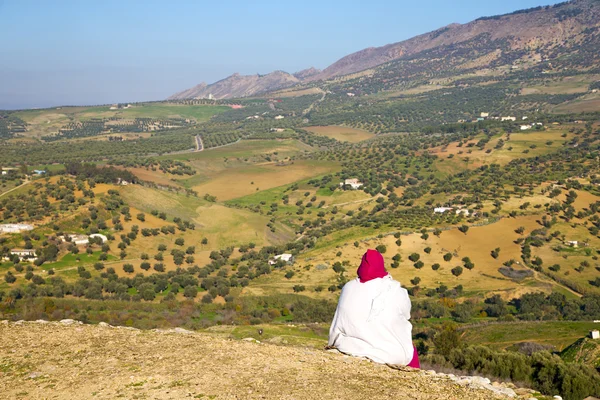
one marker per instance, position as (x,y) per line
(458,211)
(529,126)
(79,240)
(82,240)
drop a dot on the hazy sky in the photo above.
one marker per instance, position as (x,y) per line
(60,52)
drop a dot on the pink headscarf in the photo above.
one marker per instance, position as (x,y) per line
(371,266)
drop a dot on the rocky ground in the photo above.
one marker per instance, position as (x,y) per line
(69,360)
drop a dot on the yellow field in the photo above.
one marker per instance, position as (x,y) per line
(222,226)
(242,181)
(341,133)
(471,157)
(476,244)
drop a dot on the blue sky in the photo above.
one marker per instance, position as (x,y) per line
(63,52)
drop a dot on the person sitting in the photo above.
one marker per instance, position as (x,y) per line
(372,316)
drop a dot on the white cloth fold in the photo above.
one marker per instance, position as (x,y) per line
(371,321)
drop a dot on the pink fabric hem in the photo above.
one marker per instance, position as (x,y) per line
(414,363)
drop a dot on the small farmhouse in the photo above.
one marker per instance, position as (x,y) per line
(595,334)
(573,243)
(508,119)
(353,183)
(525,127)
(463,211)
(25,254)
(485,114)
(76,239)
(286,257)
(279,117)
(441,210)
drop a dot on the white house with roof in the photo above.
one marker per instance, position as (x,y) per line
(508,118)
(525,127)
(441,210)
(353,183)
(573,243)
(285,257)
(279,117)
(463,211)
(595,334)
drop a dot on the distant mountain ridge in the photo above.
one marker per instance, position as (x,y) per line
(545,30)
(238,85)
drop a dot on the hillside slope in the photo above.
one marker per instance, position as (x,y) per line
(585,351)
(58,360)
(558,37)
(238,85)
(526,30)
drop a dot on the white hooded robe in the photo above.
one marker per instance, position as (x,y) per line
(371,320)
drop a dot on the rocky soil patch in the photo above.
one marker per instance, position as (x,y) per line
(69,360)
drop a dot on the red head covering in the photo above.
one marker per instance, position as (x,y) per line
(371,266)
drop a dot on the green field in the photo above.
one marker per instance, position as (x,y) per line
(559,334)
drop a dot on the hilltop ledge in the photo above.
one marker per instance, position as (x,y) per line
(71,360)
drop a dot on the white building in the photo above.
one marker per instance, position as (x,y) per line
(279,117)
(350,94)
(101,236)
(573,243)
(508,119)
(353,183)
(23,254)
(15,228)
(463,211)
(441,210)
(525,127)
(484,114)
(524,118)
(595,334)
(286,257)
(76,239)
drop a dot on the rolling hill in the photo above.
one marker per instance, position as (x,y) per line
(557,37)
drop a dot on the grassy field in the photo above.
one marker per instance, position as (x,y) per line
(341,133)
(477,244)
(525,144)
(566,85)
(245,180)
(587,103)
(222,226)
(47,121)
(559,334)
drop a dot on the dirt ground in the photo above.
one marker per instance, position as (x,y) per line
(58,361)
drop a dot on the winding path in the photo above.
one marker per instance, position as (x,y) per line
(199,143)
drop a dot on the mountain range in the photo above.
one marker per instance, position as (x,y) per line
(567,34)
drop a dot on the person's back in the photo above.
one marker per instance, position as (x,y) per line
(372,316)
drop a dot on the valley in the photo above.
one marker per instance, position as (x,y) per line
(469,157)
